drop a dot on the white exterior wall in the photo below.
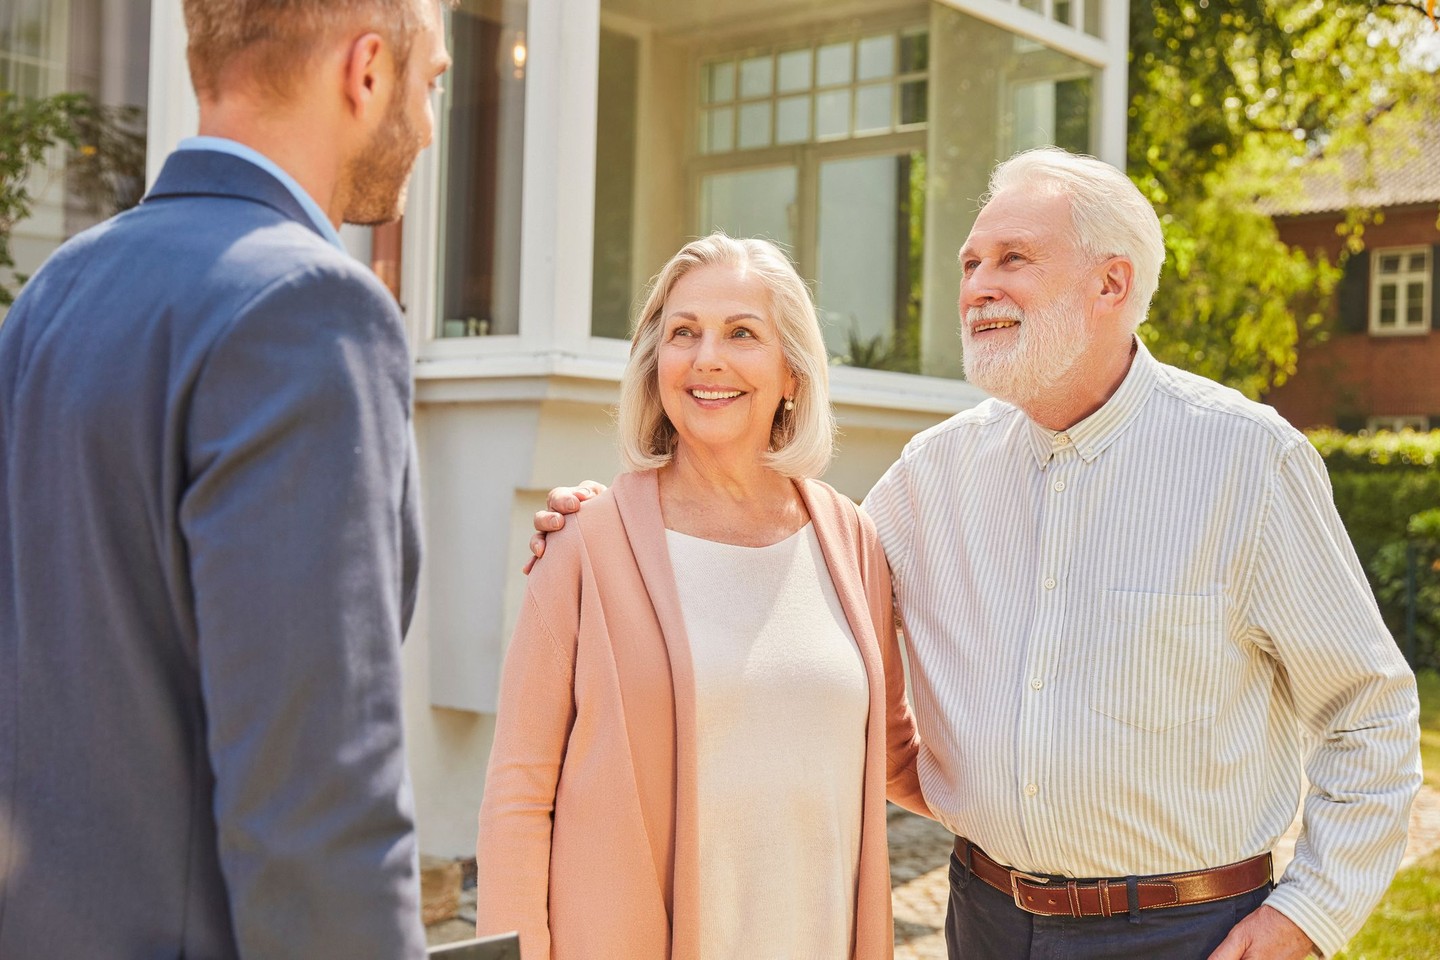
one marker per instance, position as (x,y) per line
(499,420)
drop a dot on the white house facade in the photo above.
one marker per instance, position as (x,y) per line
(581,143)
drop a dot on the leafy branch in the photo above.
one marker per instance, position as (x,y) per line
(104,169)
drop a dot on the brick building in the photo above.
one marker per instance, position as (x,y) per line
(1380,366)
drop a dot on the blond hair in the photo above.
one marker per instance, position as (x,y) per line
(279,36)
(802,440)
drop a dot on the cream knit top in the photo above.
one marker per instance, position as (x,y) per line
(782,705)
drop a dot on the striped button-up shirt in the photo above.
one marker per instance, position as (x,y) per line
(1128,639)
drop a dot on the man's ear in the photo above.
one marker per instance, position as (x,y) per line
(1117,280)
(368,74)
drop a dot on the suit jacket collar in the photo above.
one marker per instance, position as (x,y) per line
(208,173)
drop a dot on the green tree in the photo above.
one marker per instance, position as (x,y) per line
(1227,96)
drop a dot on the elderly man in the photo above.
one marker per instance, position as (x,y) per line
(209,549)
(1134,619)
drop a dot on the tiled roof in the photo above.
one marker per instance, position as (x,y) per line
(1404,169)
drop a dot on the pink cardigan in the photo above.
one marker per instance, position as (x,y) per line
(588,837)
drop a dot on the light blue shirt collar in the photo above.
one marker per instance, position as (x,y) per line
(236,149)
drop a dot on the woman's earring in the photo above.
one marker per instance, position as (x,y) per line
(789,403)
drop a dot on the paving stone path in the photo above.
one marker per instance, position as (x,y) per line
(920,885)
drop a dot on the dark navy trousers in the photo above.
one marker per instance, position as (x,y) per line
(984,924)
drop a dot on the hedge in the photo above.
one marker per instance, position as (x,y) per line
(1380,483)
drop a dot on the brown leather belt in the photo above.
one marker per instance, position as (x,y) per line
(1062,897)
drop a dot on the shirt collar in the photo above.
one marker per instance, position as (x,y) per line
(1091,436)
(307,202)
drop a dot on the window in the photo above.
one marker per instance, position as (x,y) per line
(859,144)
(482,141)
(837,90)
(852,110)
(101,50)
(1395,424)
(1400,291)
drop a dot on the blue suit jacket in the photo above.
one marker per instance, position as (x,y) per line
(208,554)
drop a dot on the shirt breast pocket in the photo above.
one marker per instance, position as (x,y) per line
(1159,658)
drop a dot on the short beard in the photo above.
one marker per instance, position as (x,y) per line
(1050,344)
(380,175)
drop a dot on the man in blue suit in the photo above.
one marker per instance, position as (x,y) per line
(208,547)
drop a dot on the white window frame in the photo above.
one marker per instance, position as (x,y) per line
(1401,280)
(1395,423)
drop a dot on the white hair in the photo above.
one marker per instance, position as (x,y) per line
(802,441)
(1110,216)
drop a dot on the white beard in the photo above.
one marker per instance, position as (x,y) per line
(1050,343)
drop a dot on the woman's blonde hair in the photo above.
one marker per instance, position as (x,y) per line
(802,440)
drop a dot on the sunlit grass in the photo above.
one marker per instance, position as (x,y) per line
(1406,925)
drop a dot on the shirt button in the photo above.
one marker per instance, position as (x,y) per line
(1049,583)
(1036,684)
(1059,485)
(1062,438)
(1031,789)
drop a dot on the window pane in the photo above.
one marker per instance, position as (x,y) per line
(1053,112)
(1072,115)
(1034,105)
(792,120)
(1092,17)
(1388,295)
(754,125)
(720,82)
(750,203)
(484,141)
(719,130)
(1034,5)
(913,96)
(613,262)
(1062,11)
(873,108)
(757,77)
(877,57)
(794,70)
(1414,304)
(914,52)
(832,114)
(870,218)
(1417,262)
(1390,263)
(833,65)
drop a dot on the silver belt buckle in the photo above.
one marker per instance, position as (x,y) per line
(1015,877)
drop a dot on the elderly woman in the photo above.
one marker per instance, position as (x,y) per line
(702,708)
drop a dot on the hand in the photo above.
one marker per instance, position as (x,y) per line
(1267,934)
(561,502)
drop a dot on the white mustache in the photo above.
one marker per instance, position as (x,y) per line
(993,311)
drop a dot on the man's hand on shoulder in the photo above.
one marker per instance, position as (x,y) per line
(561,502)
(1267,934)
